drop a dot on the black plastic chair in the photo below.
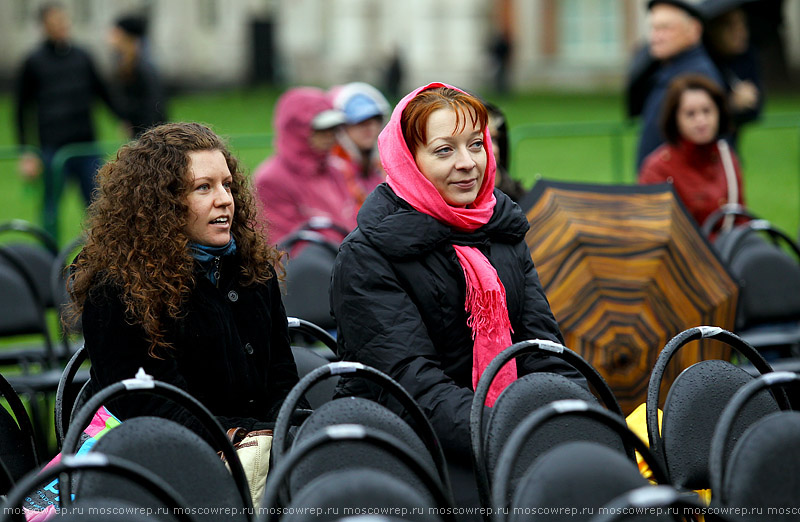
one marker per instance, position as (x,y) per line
(694,403)
(576,477)
(144,384)
(176,454)
(22,313)
(308,274)
(18,453)
(769,275)
(761,470)
(35,257)
(524,396)
(366,410)
(108,465)
(319,496)
(38,254)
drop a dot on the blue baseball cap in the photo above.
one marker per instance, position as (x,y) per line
(361,107)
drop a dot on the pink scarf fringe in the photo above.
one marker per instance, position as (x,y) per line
(488,319)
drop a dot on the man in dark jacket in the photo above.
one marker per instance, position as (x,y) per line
(58,82)
(675,42)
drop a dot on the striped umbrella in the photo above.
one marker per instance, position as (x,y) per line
(625,269)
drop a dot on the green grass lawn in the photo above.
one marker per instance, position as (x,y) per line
(770,155)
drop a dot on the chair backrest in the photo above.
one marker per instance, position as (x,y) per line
(20,227)
(761,471)
(37,255)
(110,465)
(58,283)
(308,360)
(17,444)
(579,473)
(417,418)
(524,396)
(694,403)
(174,453)
(439,497)
(308,274)
(347,454)
(360,490)
(308,356)
(769,276)
(310,331)
(67,396)
(21,308)
(38,262)
(571,480)
(714,220)
(144,384)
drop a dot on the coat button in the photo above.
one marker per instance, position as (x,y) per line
(248,348)
(233,296)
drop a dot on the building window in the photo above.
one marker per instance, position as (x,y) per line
(591,32)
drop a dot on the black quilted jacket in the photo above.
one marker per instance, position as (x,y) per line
(398,295)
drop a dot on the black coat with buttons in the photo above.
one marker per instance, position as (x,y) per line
(231,351)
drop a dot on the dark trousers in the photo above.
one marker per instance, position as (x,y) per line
(81,168)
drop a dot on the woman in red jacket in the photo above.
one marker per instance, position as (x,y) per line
(703,169)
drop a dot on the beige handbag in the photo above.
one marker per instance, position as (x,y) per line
(253,448)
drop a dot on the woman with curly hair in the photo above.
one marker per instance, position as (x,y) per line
(176,278)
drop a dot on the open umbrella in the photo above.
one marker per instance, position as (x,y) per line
(625,269)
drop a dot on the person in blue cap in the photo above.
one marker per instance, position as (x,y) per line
(365,110)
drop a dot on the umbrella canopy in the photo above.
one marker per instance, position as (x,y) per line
(625,269)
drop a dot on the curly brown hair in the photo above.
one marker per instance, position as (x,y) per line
(135,228)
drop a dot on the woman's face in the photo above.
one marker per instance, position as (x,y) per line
(454,162)
(209,199)
(698,117)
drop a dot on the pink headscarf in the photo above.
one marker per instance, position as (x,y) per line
(486,296)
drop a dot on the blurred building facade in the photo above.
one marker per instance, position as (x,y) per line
(572,44)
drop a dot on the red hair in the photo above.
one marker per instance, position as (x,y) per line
(414,120)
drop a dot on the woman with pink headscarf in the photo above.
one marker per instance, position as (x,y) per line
(437,278)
